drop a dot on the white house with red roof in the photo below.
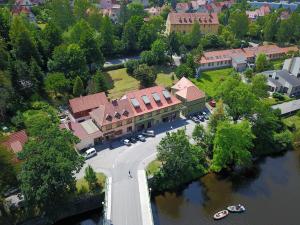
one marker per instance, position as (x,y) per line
(191,96)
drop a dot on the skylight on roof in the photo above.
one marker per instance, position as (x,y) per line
(146,99)
(135,103)
(166,94)
(156,97)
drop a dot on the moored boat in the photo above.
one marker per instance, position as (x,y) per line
(236,208)
(221,214)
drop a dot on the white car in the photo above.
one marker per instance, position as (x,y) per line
(149,133)
(90,153)
(126,142)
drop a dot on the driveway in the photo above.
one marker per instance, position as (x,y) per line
(118,161)
(119,61)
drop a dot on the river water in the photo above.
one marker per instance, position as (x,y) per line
(270,192)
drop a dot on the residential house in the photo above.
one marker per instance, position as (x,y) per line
(284,82)
(183,7)
(152,106)
(183,22)
(15,142)
(154,11)
(288,108)
(262,11)
(275,5)
(192,98)
(239,58)
(292,65)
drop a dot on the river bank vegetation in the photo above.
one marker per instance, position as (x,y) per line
(241,128)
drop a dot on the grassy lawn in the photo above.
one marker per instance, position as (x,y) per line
(164,76)
(274,101)
(120,83)
(153,167)
(209,81)
(289,121)
(82,185)
(278,63)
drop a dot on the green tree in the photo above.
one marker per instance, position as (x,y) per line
(107,36)
(261,63)
(217,117)
(4,55)
(47,175)
(202,137)
(129,37)
(61,13)
(181,161)
(51,37)
(22,41)
(148,58)
(91,178)
(232,143)
(248,73)
(89,41)
(146,36)
(159,49)
(131,65)
(239,23)
(80,8)
(6,91)
(97,83)
(78,88)
(259,86)
(238,97)
(285,31)
(136,9)
(184,70)
(124,14)
(270,27)
(56,83)
(145,74)
(195,35)
(5,18)
(173,44)
(70,60)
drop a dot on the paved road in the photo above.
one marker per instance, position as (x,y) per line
(126,205)
(113,62)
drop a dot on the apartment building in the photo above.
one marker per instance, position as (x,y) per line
(183,22)
(239,58)
(94,119)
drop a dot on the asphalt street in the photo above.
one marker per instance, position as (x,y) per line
(118,161)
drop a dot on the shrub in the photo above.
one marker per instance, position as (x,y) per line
(278,96)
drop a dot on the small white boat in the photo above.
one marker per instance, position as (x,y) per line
(221,214)
(236,208)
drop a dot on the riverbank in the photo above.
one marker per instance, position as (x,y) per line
(270,192)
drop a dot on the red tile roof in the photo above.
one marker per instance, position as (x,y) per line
(112,112)
(187,90)
(88,102)
(190,18)
(191,93)
(153,105)
(78,130)
(16,141)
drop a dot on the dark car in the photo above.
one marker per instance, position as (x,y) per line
(201,118)
(141,138)
(195,119)
(133,140)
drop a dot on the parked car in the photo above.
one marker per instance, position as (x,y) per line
(149,133)
(132,140)
(195,119)
(201,118)
(141,138)
(90,153)
(126,142)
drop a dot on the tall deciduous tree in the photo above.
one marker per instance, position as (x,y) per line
(195,35)
(217,116)
(232,145)
(238,97)
(6,91)
(261,63)
(56,83)
(239,23)
(80,8)
(107,36)
(259,86)
(270,27)
(61,13)
(91,178)
(145,74)
(70,60)
(78,88)
(97,83)
(181,161)
(50,163)
(4,23)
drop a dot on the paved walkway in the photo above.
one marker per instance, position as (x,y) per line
(130,204)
